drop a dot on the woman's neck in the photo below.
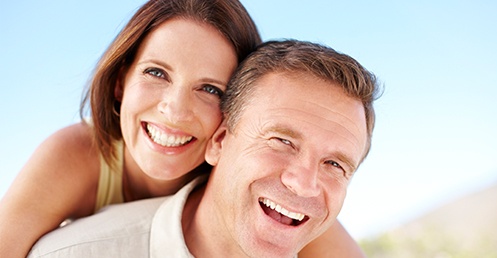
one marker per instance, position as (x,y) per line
(137,185)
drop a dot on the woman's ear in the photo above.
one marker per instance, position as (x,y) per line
(215,145)
(119,87)
(118,91)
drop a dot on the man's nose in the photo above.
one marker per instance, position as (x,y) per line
(302,179)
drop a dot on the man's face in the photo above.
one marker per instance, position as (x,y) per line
(281,176)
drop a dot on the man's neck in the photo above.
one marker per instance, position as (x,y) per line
(203,231)
(193,231)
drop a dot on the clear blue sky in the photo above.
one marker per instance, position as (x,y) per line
(436,133)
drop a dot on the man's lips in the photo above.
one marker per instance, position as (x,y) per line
(167,140)
(280,214)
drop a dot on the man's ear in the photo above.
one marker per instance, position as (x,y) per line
(215,145)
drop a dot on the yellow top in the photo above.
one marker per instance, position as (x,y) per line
(110,190)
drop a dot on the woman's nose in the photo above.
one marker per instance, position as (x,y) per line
(177,105)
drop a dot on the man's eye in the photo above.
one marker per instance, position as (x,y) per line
(213,90)
(334,164)
(285,141)
(155,72)
(281,144)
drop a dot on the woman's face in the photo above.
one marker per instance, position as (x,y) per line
(170,96)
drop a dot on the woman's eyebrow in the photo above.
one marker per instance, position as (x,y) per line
(158,62)
(214,81)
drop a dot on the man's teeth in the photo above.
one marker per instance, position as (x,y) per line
(166,140)
(283,211)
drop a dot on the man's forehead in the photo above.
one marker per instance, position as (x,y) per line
(283,91)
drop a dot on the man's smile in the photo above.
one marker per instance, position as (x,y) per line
(280,214)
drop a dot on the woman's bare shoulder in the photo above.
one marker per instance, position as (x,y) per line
(59,181)
(68,162)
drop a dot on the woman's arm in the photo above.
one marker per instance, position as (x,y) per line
(335,242)
(57,182)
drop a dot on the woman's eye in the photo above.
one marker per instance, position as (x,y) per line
(155,72)
(213,90)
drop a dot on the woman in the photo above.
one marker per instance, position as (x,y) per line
(154,102)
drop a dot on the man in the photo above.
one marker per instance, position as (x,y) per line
(298,123)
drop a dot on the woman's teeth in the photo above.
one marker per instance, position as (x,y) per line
(167,140)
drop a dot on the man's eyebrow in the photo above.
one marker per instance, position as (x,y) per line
(284,130)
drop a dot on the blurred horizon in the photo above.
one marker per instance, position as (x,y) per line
(464,227)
